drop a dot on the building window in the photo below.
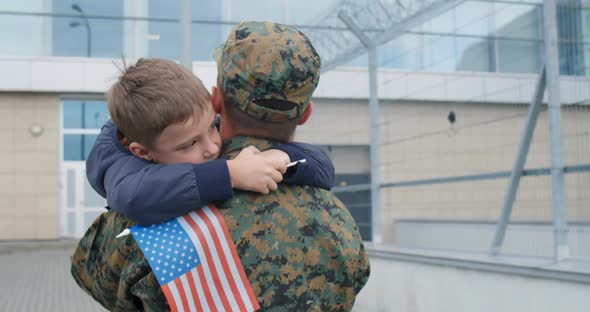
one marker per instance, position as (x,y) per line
(519,56)
(79,35)
(82,121)
(571,38)
(352,167)
(358,203)
(77,146)
(85,114)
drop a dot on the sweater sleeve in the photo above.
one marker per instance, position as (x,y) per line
(317,171)
(151,193)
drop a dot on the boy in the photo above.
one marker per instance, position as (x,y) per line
(180,136)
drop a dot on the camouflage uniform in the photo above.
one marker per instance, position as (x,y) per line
(299,246)
(113,270)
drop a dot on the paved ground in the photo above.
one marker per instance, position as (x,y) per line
(35,276)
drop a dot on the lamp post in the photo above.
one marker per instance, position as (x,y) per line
(75,24)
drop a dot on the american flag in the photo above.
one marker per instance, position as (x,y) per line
(196,263)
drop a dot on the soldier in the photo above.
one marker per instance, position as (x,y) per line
(299,246)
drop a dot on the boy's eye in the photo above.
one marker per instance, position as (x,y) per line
(190,145)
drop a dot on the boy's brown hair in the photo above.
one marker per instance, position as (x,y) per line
(153,94)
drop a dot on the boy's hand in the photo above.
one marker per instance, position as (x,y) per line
(256,171)
(278,158)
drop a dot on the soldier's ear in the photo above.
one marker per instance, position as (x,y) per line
(306,114)
(217,100)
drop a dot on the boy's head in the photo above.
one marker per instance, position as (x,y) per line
(165,112)
(267,73)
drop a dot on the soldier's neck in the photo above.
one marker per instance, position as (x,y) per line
(232,147)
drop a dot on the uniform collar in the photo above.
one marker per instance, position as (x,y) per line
(232,147)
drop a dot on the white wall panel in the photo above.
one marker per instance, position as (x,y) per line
(81,75)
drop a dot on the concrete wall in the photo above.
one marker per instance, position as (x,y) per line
(412,287)
(522,238)
(486,139)
(29,166)
(420,144)
(336,122)
(417,142)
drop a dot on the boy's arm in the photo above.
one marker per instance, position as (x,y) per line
(318,169)
(151,193)
(103,154)
(147,192)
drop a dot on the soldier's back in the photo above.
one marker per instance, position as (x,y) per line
(300,248)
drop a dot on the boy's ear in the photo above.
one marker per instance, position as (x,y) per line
(217,100)
(306,114)
(140,151)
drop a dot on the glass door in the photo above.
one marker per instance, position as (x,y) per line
(80,204)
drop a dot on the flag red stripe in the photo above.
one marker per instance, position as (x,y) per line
(211,266)
(223,259)
(181,293)
(208,254)
(192,285)
(169,298)
(206,289)
(236,259)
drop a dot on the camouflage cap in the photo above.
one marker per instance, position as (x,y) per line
(265,60)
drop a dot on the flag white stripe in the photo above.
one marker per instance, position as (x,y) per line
(200,291)
(204,263)
(176,296)
(216,257)
(187,293)
(235,274)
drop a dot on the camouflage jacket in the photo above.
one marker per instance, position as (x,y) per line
(299,247)
(113,270)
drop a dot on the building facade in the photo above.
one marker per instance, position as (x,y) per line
(479,60)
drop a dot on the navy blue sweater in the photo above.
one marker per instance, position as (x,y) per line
(152,193)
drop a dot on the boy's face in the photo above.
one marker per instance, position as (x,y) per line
(194,141)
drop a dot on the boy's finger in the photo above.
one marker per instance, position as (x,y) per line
(253,149)
(282,168)
(279,165)
(277,176)
(246,151)
(272,186)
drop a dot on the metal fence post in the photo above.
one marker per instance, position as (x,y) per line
(561,248)
(518,168)
(376,236)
